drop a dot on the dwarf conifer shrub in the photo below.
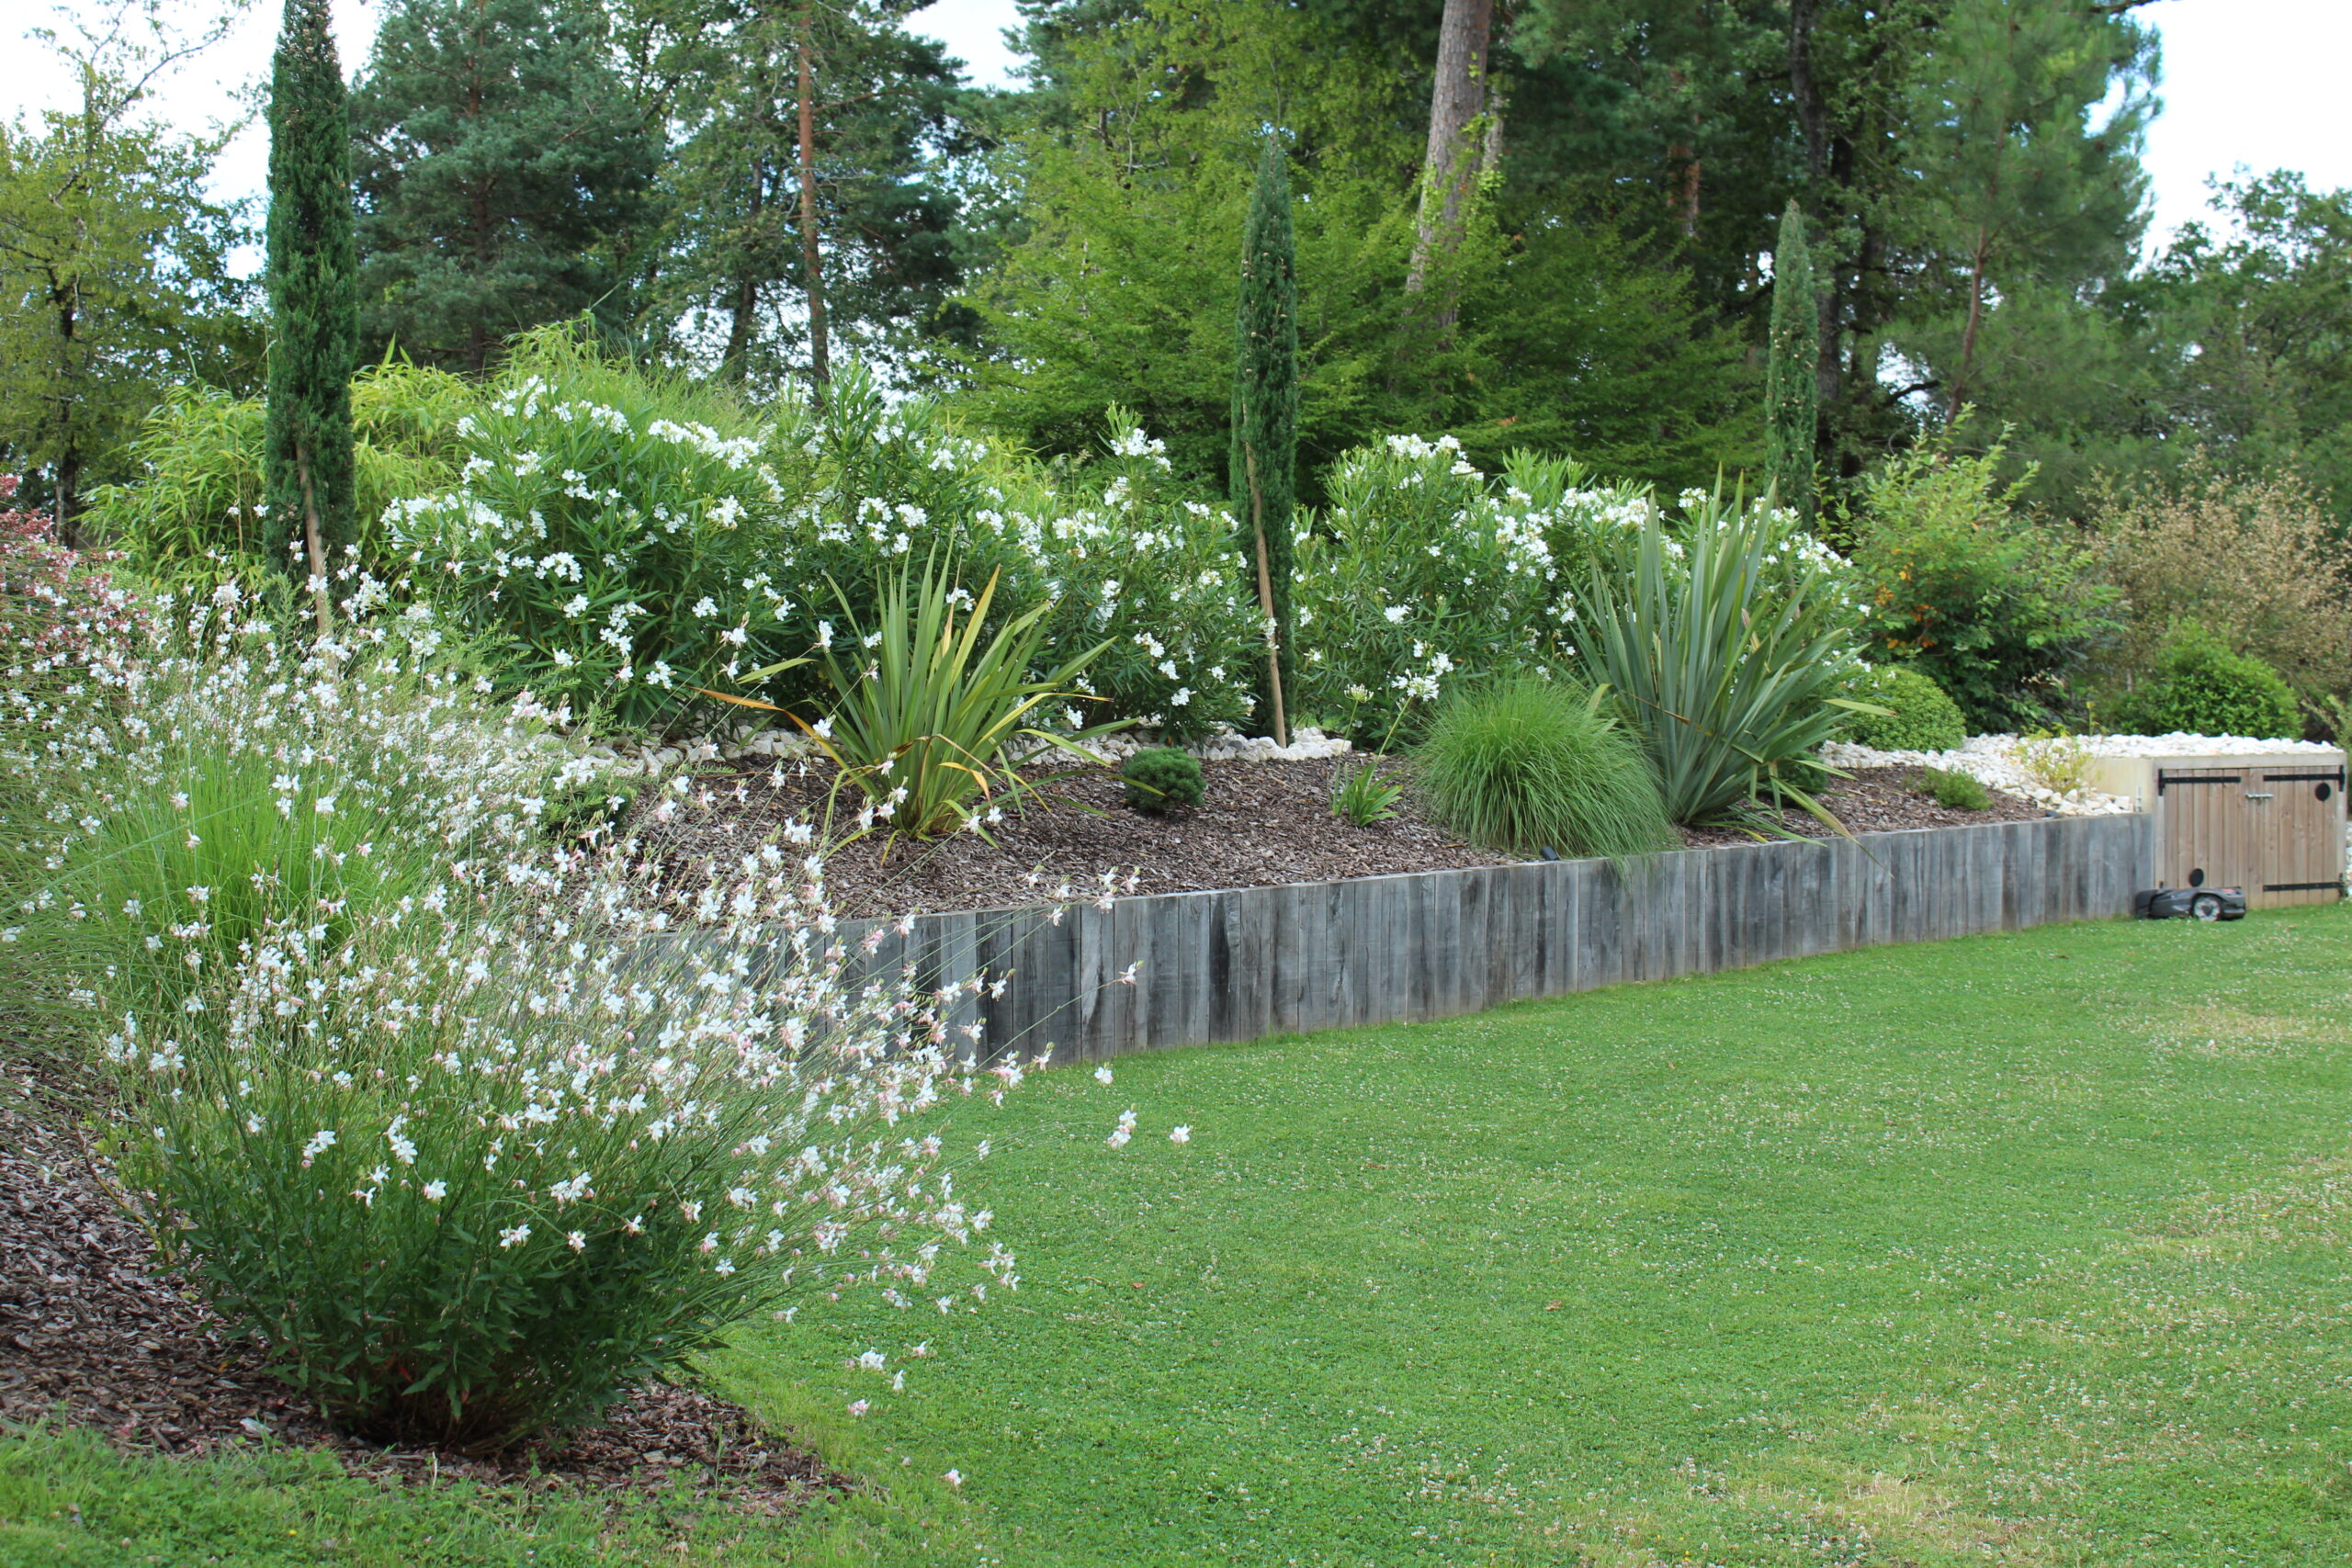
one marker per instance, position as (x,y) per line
(1526,763)
(1162,779)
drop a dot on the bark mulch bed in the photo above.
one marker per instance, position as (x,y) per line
(1258,824)
(1875,800)
(92,1334)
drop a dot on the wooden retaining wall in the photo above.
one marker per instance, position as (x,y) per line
(1244,962)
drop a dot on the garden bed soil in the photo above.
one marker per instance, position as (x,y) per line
(1875,800)
(93,1334)
(1258,824)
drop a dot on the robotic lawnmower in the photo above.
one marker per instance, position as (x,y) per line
(2189,904)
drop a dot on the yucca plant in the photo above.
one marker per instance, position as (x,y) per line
(1724,648)
(926,715)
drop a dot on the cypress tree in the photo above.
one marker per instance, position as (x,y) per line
(314,317)
(1792,393)
(1262,478)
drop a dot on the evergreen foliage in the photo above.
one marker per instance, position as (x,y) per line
(1791,395)
(891,139)
(2002,611)
(1262,478)
(2201,688)
(1920,715)
(1953,790)
(312,264)
(503,172)
(1161,779)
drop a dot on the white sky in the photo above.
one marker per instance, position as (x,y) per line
(2247,83)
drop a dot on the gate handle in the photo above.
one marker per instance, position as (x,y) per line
(2261,794)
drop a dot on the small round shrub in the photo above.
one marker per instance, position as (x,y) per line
(1953,790)
(1527,763)
(1922,716)
(1161,779)
(2202,688)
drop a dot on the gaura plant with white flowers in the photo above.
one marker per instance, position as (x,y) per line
(470,1131)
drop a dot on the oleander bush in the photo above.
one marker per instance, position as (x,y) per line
(621,541)
(1425,565)
(1919,715)
(2200,687)
(471,1130)
(1523,763)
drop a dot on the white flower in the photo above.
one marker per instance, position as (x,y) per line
(436,1190)
(953,1478)
(1180,1135)
(320,1142)
(858,1408)
(1103,1075)
(576,1240)
(514,1237)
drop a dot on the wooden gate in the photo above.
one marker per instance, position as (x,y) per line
(2276,831)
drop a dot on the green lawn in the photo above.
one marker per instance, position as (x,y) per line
(2024,1250)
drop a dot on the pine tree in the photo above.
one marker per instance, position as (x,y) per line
(502,173)
(1790,389)
(312,266)
(1262,480)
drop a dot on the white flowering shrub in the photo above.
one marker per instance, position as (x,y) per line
(618,543)
(1425,565)
(1112,547)
(470,1130)
(599,550)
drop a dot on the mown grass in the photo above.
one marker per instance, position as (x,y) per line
(2026,1250)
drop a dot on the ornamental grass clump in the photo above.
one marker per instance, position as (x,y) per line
(471,1131)
(1527,764)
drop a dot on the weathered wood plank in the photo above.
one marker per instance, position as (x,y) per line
(1241,964)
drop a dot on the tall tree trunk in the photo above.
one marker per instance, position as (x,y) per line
(1463,36)
(745,308)
(67,506)
(1813,115)
(1689,201)
(820,370)
(1968,332)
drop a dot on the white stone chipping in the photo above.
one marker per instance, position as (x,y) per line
(1993,760)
